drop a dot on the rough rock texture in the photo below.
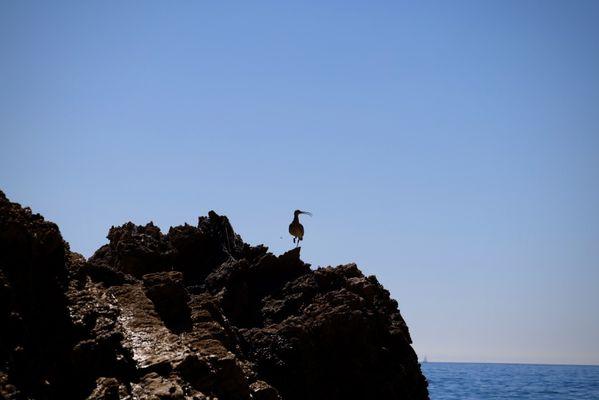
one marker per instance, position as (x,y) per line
(191,314)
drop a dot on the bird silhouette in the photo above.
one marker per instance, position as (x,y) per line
(295,228)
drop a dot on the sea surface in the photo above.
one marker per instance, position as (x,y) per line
(449,381)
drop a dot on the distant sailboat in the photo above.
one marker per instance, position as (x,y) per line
(424,360)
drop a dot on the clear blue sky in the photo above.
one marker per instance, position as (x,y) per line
(450,148)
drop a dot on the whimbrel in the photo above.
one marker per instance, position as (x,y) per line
(295,228)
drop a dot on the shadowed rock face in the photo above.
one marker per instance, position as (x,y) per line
(191,314)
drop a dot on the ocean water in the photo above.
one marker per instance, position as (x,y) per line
(469,381)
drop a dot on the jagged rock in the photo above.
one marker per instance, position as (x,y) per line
(135,250)
(263,391)
(109,389)
(36,331)
(167,291)
(156,387)
(193,314)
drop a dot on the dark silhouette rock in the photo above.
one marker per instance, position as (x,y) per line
(36,332)
(193,314)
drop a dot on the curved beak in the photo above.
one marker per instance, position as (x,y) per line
(306,212)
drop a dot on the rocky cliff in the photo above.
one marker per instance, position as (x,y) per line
(191,314)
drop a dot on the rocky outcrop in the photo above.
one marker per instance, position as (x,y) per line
(191,314)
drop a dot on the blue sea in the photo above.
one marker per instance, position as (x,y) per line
(469,381)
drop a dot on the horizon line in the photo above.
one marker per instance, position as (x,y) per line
(508,363)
